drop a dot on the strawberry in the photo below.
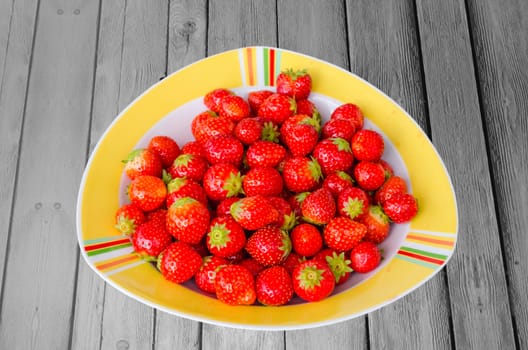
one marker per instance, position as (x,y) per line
(369,175)
(269,245)
(255,99)
(274,286)
(150,239)
(300,134)
(128,217)
(387,167)
(249,130)
(264,154)
(313,280)
(308,108)
(296,201)
(277,108)
(166,148)
(222,181)
(343,234)
(351,112)
(292,261)
(337,262)
(254,212)
(193,147)
(337,182)
(353,203)
(234,107)
(225,237)
(237,257)
(343,128)
(319,207)
(188,220)
(208,124)
(213,99)
(182,187)
(189,166)
(224,207)
(367,145)
(252,265)
(294,83)
(287,218)
(265,181)
(142,161)
(147,192)
(301,174)
(333,154)
(179,262)
(235,285)
(377,223)
(400,207)
(224,149)
(306,239)
(158,216)
(206,275)
(394,184)
(365,257)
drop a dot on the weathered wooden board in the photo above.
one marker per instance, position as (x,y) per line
(42,257)
(477,284)
(500,41)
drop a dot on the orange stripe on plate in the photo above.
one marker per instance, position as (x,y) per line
(119,261)
(431,240)
(251,69)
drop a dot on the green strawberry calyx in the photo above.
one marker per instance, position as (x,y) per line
(339,265)
(315,169)
(219,236)
(181,202)
(286,246)
(310,277)
(378,213)
(133,155)
(294,74)
(353,207)
(289,221)
(183,160)
(341,144)
(233,184)
(125,225)
(175,184)
(344,176)
(293,105)
(270,132)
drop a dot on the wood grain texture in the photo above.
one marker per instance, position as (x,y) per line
(501,58)
(42,259)
(15,56)
(477,284)
(344,335)
(222,338)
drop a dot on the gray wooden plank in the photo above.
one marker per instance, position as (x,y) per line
(387,55)
(15,55)
(476,278)
(501,52)
(222,338)
(42,257)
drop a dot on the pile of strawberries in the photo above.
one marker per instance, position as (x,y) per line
(267,202)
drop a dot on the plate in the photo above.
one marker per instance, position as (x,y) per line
(413,252)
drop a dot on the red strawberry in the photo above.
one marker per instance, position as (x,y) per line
(400,207)
(318,207)
(238,257)
(369,175)
(158,216)
(353,203)
(224,207)
(254,212)
(292,261)
(300,134)
(274,286)
(367,145)
(349,111)
(301,174)
(249,130)
(377,223)
(343,128)
(166,148)
(265,181)
(225,237)
(143,162)
(296,201)
(343,234)
(128,217)
(269,245)
(212,99)
(277,108)
(150,239)
(208,124)
(264,154)
(222,181)
(234,108)
(188,220)
(193,147)
(147,192)
(333,154)
(387,167)
(308,108)
(394,184)
(235,285)
(294,83)
(337,262)
(252,265)
(365,257)
(337,182)
(313,280)
(306,239)
(206,275)
(287,218)
(182,187)
(189,166)
(224,149)
(255,99)
(179,262)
